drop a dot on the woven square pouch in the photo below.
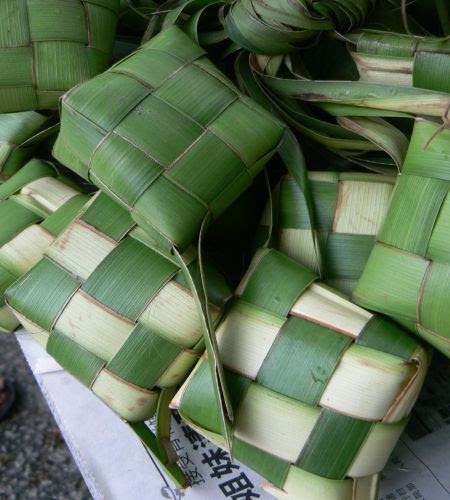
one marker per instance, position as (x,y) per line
(114,312)
(35,206)
(167,135)
(321,388)
(349,209)
(408,273)
(48,46)
(119,315)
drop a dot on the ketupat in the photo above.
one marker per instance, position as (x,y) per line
(321,388)
(407,275)
(349,210)
(116,312)
(48,46)
(35,206)
(166,135)
(363,134)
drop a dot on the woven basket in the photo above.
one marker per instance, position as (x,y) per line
(115,313)
(408,273)
(35,206)
(321,388)
(48,46)
(403,60)
(349,210)
(166,135)
(277,27)
(18,136)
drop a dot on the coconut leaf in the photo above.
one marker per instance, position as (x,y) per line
(407,273)
(334,428)
(47,47)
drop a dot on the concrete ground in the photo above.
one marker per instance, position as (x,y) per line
(35,462)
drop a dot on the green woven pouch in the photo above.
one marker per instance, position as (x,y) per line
(19,134)
(117,313)
(166,135)
(408,273)
(48,46)
(349,210)
(278,27)
(321,388)
(403,60)
(35,206)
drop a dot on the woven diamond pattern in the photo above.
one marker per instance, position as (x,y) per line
(313,358)
(408,272)
(35,205)
(167,135)
(349,210)
(48,46)
(123,320)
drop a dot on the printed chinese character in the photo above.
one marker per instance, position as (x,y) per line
(177,445)
(194,438)
(216,457)
(417,494)
(401,491)
(246,495)
(223,469)
(236,485)
(185,461)
(410,486)
(151,424)
(194,476)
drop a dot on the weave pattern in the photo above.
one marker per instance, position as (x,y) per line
(349,209)
(321,388)
(420,62)
(15,130)
(35,206)
(408,273)
(48,46)
(166,135)
(122,319)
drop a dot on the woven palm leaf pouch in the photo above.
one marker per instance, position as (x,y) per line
(321,388)
(19,134)
(116,313)
(349,209)
(166,135)
(408,273)
(48,46)
(35,206)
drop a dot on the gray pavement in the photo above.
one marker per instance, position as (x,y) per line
(35,462)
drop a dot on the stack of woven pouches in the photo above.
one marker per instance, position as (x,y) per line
(238,210)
